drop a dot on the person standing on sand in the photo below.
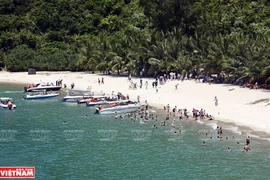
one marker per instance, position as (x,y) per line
(102,80)
(216,101)
(138,98)
(72,85)
(146,84)
(141,82)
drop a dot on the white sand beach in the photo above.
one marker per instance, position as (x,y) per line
(235,103)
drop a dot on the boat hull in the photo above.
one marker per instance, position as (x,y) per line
(72,98)
(91,104)
(44,88)
(37,97)
(119,109)
(5,106)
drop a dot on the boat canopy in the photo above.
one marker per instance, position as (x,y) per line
(6,99)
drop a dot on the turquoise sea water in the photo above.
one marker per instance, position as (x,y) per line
(90,146)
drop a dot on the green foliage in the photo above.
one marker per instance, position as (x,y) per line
(20,58)
(222,37)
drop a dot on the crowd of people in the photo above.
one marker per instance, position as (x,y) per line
(174,118)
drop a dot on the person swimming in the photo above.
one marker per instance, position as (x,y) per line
(229,149)
(246,148)
(203,143)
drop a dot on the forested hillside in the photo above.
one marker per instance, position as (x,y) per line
(230,38)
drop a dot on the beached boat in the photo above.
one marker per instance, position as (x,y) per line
(92,98)
(123,107)
(41,95)
(76,95)
(97,100)
(7,103)
(104,101)
(41,87)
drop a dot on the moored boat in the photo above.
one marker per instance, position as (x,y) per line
(7,103)
(123,107)
(40,95)
(104,102)
(92,98)
(76,95)
(41,87)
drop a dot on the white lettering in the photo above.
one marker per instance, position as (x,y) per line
(18,172)
(30,172)
(24,173)
(3,173)
(13,173)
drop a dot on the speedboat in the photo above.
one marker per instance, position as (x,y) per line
(7,103)
(92,98)
(97,100)
(80,96)
(76,95)
(40,95)
(41,87)
(123,107)
(103,101)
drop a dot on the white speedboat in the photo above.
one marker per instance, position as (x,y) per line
(98,100)
(126,107)
(7,103)
(92,98)
(37,96)
(76,95)
(104,102)
(41,87)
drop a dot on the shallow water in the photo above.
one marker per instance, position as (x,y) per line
(90,146)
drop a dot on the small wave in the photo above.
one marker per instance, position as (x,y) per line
(200,122)
(267,139)
(11,92)
(256,136)
(213,125)
(234,129)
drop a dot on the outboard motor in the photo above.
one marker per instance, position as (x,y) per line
(97,111)
(25,89)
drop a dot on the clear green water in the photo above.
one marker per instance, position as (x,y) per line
(91,146)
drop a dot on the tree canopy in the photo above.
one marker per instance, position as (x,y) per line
(228,37)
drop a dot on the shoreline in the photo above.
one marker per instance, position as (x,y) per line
(235,103)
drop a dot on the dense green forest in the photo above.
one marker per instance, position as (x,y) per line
(230,38)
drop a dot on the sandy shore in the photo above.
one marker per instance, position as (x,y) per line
(235,103)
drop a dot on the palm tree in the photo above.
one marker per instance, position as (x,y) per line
(87,59)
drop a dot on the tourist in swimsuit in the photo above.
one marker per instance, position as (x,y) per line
(248,140)
(168,108)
